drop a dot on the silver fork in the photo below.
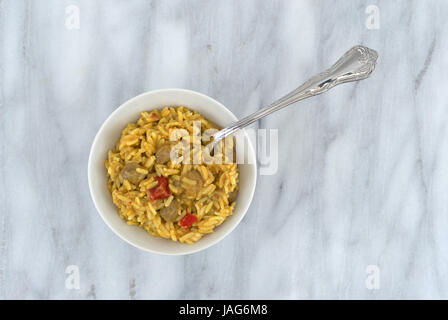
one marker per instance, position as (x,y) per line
(356,64)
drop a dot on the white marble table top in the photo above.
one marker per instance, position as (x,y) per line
(357,209)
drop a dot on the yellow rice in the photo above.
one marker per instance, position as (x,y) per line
(138,144)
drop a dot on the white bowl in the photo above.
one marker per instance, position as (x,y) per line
(110,132)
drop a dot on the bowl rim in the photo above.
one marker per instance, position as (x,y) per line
(122,237)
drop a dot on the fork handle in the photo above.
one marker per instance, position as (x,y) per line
(356,64)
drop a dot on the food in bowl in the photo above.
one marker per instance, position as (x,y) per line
(157,185)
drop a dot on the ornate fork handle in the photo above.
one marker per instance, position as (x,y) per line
(356,64)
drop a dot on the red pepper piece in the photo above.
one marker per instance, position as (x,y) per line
(161,190)
(188,220)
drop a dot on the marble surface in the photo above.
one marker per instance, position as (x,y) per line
(363,170)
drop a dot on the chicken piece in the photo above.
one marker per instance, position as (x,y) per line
(233,195)
(169,214)
(163,154)
(129,172)
(193,189)
(178,185)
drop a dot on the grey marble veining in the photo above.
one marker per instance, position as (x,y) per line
(362,175)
